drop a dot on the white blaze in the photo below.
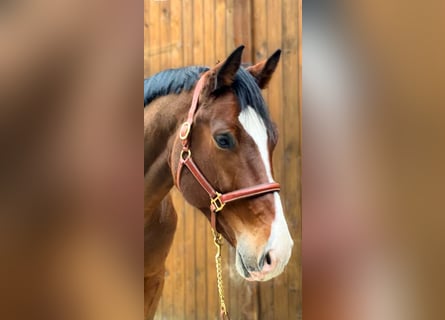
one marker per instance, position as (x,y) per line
(280,241)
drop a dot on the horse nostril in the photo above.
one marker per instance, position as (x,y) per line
(265,261)
(268,259)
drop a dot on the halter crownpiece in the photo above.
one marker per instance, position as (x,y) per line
(217,200)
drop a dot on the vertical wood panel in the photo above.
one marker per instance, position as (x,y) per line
(186,32)
(242,27)
(165,39)
(219,36)
(176,59)
(291,138)
(230,37)
(259,32)
(278,111)
(155,36)
(147,42)
(189,257)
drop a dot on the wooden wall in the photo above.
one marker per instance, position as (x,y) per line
(188,32)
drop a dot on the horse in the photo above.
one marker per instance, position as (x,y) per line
(208,132)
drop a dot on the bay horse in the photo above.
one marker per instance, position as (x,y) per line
(208,131)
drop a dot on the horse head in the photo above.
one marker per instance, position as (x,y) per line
(231,141)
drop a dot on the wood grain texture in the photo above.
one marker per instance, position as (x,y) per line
(186,32)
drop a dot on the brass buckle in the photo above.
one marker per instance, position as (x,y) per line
(187,127)
(217,202)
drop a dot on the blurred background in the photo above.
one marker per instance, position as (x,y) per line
(180,33)
(372,154)
(71,192)
(373,160)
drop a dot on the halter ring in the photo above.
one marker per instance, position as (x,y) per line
(187,153)
(185,130)
(217,203)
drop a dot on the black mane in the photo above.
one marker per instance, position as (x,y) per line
(174,81)
(171,81)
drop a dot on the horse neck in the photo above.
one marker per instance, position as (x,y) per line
(162,119)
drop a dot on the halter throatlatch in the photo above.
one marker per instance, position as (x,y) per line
(217,200)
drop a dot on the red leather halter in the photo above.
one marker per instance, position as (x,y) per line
(217,200)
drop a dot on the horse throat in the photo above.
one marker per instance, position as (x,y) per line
(162,119)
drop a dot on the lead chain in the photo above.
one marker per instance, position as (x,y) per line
(217,239)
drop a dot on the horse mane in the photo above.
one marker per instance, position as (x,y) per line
(174,81)
(171,81)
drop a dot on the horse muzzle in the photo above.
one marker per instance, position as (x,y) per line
(265,267)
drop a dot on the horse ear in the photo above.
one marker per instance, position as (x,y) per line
(223,73)
(262,71)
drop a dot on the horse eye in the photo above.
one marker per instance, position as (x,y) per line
(224,141)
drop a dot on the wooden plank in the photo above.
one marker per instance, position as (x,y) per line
(279,114)
(220,29)
(233,284)
(176,260)
(198,32)
(189,268)
(209,32)
(247,300)
(187,32)
(230,32)
(176,34)
(164,22)
(292,138)
(259,33)
(242,27)
(154,47)
(146,38)
(200,265)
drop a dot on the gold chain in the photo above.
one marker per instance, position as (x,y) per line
(218,240)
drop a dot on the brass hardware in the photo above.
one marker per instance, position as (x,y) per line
(218,240)
(184,136)
(187,153)
(217,202)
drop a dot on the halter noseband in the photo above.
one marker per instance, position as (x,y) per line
(217,200)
